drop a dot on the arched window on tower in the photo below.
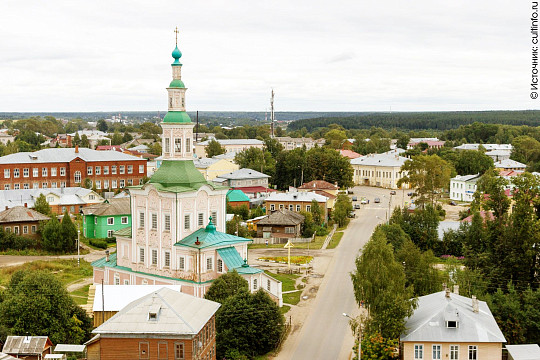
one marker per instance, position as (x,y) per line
(77,177)
(177,145)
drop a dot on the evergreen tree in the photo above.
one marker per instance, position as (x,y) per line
(52,235)
(102,125)
(69,233)
(226,286)
(41,205)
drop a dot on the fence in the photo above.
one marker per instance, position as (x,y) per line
(276,240)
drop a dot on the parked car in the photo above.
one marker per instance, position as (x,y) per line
(357,206)
(350,191)
(453,203)
(377,200)
(354,198)
(410,194)
(352,214)
(363,201)
(393,192)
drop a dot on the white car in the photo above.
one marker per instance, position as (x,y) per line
(363,201)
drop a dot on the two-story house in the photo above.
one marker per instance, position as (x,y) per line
(102,220)
(296,201)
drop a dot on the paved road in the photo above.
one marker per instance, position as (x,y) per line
(326,333)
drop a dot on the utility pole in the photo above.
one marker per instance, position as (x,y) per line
(197,129)
(272,116)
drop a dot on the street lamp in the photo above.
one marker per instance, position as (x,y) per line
(359,332)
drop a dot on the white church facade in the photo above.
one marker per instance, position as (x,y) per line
(177,235)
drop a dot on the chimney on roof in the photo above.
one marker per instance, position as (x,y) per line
(456,289)
(7,207)
(25,205)
(447,293)
(474,304)
(107,255)
(76,149)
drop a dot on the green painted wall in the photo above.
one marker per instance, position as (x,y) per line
(102,227)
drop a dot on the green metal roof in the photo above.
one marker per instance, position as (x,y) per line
(209,237)
(103,261)
(124,232)
(176,54)
(234,261)
(178,173)
(236,195)
(177,83)
(177,117)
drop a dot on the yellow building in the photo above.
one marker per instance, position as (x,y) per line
(212,168)
(449,326)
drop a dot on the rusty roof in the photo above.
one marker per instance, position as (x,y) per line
(21,214)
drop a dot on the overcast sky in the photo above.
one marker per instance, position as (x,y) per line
(333,55)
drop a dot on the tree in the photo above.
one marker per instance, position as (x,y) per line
(102,125)
(403,141)
(374,346)
(76,140)
(249,324)
(428,174)
(273,147)
(256,159)
(316,213)
(379,282)
(116,138)
(214,148)
(127,137)
(36,303)
(155,148)
(526,149)
(84,141)
(69,233)
(41,205)
(52,235)
(471,162)
(421,276)
(226,286)
(342,208)
(335,138)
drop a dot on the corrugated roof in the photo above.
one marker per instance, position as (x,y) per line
(56,155)
(12,198)
(4,356)
(380,160)
(466,177)
(69,347)
(21,214)
(508,163)
(234,261)
(234,142)
(427,323)
(26,345)
(203,163)
(119,206)
(303,196)
(125,232)
(282,217)
(179,314)
(244,173)
(236,196)
(118,297)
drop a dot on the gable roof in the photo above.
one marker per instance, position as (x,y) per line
(26,345)
(236,196)
(18,197)
(176,314)
(524,351)
(244,173)
(380,160)
(508,163)
(319,185)
(21,214)
(428,322)
(303,196)
(119,206)
(118,297)
(282,217)
(210,237)
(56,155)
(233,142)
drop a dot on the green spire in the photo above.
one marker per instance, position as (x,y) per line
(211,228)
(176,54)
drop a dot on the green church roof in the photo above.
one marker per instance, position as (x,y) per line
(177,83)
(209,237)
(234,261)
(178,173)
(176,54)
(236,196)
(177,117)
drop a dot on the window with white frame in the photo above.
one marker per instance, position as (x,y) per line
(272,207)
(113,184)
(44,172)
(308,207)
(6,187)
(6,173)
(62,171)
(126,282)
(110,221)
(113,169)
(105,170)
(130,169)
(106,184)
(110,233)
(179,351)
(130,182)
(154,257)
(167,222)
(167,259)
(436,352)
(177,145)
(62,184)
(44,185)
(26,172)
(15,173)
(220,265)
(98,184)
(122,169)
(291,207)
(154,221)
(181,263)
(53,185)
(141,220)
(25,229)
(418,351)
(209,265)
(33,229)
(98,170)
(141,255)
(268,283)
(281,206)
(26,186)
(16,186)
(200,219)
(454,352)
(116,279)
(122,184)
(298,208)
(89,170)
(141,169)
(77,177)
(35,172)
(254,284)
(124,220)
(473,352)
(187,222)
(289,230)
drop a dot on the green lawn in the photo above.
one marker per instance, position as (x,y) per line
(335,240)
(80,295)
(65,270)
(315,244)
(284,309)
(292,298)
(288,281)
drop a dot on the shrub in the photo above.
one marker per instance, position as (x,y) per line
(99,243)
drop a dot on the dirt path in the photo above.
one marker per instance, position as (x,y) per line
(79,284)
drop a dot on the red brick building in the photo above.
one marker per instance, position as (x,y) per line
(66,167)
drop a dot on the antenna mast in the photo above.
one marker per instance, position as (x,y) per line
(272,117)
